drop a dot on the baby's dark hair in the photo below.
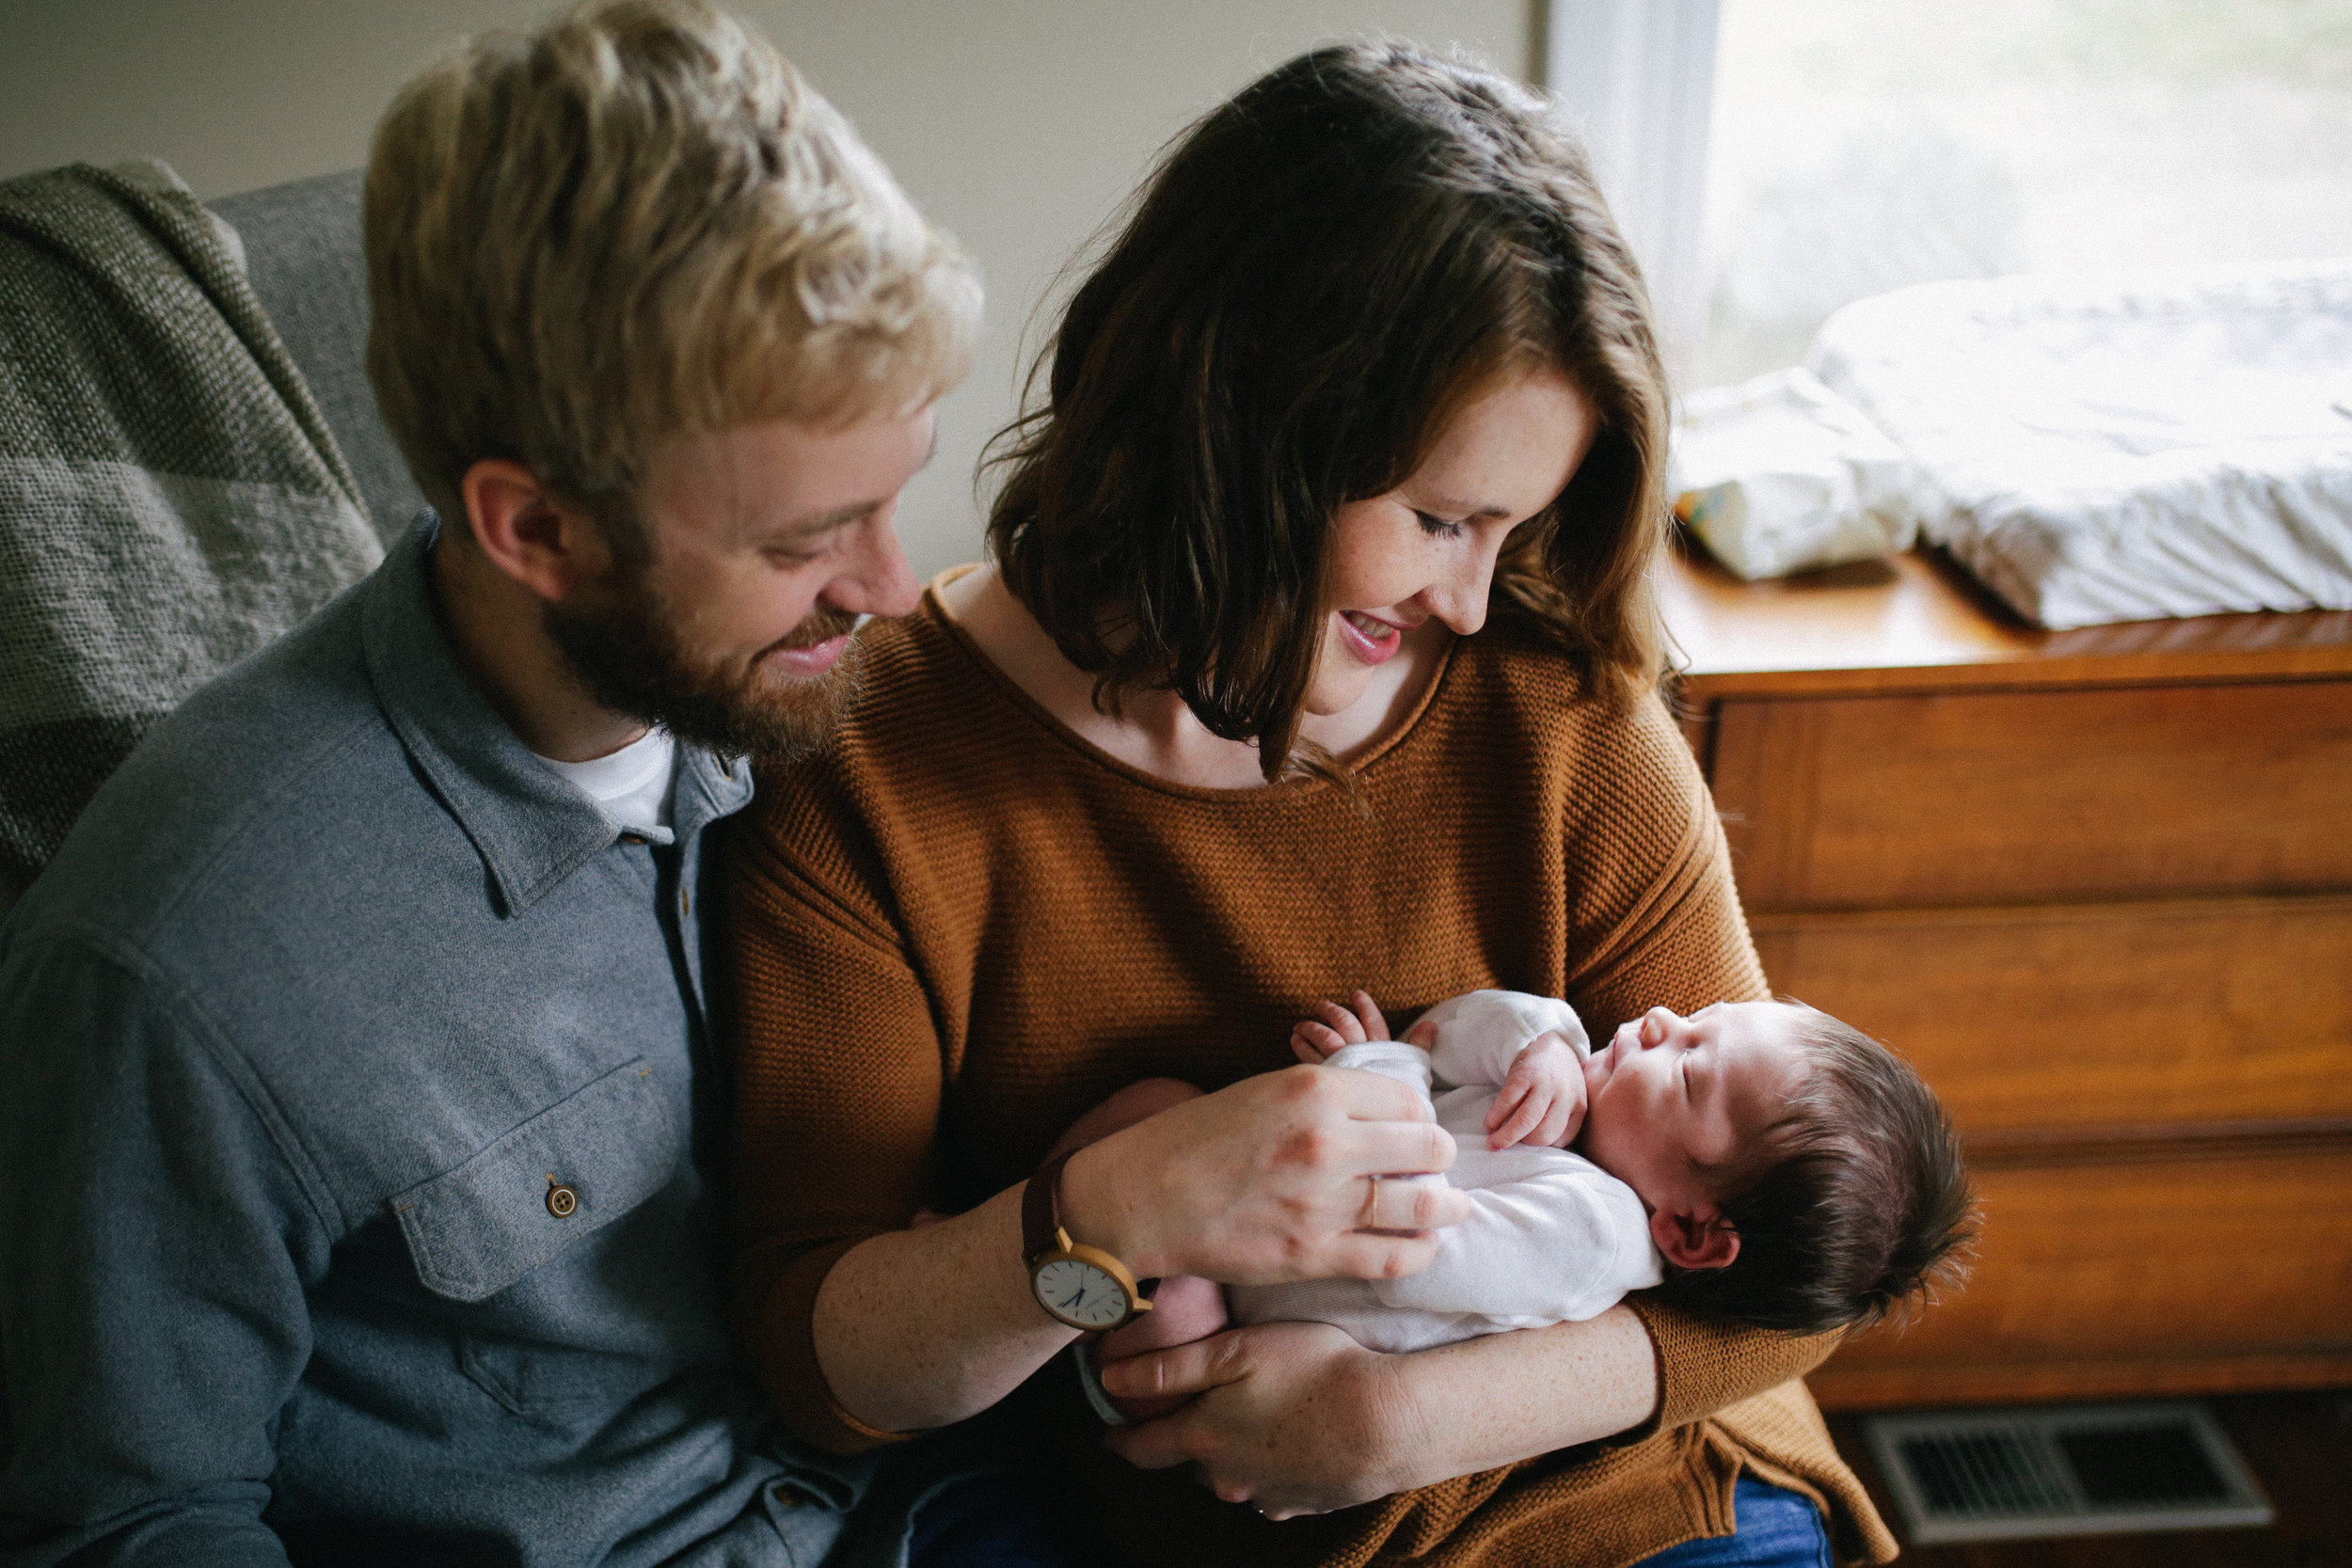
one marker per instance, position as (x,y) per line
(1864,1208)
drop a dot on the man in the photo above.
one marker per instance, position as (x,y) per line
(358,1120)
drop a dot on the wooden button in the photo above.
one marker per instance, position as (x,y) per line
(562,1201)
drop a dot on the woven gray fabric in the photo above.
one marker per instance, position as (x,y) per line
(171,496)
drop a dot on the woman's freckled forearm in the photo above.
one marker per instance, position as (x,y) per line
(1508,1397)
(903,1360)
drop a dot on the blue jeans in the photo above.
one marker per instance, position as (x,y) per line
(996,1521)
(1778,1528)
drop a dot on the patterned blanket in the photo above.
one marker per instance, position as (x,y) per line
(170,497)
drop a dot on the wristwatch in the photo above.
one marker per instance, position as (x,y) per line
(1078,1285)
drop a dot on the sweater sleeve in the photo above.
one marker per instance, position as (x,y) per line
(837,1091)
(1654,904)
(1670,932)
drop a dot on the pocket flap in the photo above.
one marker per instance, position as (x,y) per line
(476,1229)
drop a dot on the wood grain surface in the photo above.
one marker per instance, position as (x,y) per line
(2094,1017)
(1916,622)
(1985,797)
(2131,1278)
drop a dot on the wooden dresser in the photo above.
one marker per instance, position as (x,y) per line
(2098,886)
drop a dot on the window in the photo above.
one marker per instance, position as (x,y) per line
(1858,146)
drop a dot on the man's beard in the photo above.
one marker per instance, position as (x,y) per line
(625,645)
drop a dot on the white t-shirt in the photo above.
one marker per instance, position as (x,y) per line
(633,785)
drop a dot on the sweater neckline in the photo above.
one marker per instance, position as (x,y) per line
(936,613)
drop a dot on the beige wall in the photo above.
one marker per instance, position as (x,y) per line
(1018,125)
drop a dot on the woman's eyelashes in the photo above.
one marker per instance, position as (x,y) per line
(1436,527)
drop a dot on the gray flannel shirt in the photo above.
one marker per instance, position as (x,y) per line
(329,992)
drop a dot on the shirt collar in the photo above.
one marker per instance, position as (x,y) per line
(532,828)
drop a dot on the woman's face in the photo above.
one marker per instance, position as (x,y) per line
(1426,549)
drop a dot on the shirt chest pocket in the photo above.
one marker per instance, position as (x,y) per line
(544,1187)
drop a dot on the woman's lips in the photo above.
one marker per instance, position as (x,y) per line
(812,659)
(1366,647)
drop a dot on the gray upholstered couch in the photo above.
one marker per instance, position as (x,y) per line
(302,253)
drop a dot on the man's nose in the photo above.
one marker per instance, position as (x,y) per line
(878,579)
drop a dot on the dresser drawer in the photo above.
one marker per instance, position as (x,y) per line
(2208,1274)
(2015,797)
(2095,1016)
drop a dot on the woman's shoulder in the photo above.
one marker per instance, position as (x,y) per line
(1508,680)
(918,720)
(1611,774)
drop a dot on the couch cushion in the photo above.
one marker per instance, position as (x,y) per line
(302,255)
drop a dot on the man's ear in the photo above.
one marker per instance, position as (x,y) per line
(1696,1239)
(525,531)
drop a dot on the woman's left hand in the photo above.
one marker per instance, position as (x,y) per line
(1291,1418)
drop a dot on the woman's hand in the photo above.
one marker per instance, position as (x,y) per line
(1265,1181)
(1298,1419)
(1291,1418)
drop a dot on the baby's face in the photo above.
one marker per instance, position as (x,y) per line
(1670,1095)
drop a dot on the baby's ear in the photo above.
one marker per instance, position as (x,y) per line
(1699,1239)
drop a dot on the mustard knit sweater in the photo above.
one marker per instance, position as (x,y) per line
(959,926)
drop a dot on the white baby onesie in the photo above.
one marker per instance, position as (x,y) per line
(1551,1237)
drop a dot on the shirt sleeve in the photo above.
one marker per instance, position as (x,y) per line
(152,1317)
(838,1080)
(1480,1034)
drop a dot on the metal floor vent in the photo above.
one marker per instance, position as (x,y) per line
(2073,1469)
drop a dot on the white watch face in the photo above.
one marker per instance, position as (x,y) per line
(1079,1294)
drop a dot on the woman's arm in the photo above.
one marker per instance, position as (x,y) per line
(1261,1182)
(1298,1419)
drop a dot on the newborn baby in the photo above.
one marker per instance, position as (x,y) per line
(1758,1159)
(1551,1236)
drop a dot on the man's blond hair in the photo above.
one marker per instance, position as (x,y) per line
(636,224)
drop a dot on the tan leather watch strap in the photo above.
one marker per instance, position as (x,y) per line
(1040,1216)
(1040,1207)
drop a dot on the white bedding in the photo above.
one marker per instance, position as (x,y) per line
(2121,448)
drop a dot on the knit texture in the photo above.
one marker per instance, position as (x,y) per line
(170,497)
(959,926)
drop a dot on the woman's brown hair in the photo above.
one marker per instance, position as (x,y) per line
(1321,271)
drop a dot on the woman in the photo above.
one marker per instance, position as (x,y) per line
(1319,652)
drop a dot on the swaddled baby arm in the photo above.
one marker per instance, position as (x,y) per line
(1559,1240)
(1531,1048)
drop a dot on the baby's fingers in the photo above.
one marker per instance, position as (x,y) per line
(1376,1027)
(1342,1023)
(1314,1044)
(1507,1125)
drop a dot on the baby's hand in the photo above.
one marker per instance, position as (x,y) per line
(1542,1099)
(1315,1043)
